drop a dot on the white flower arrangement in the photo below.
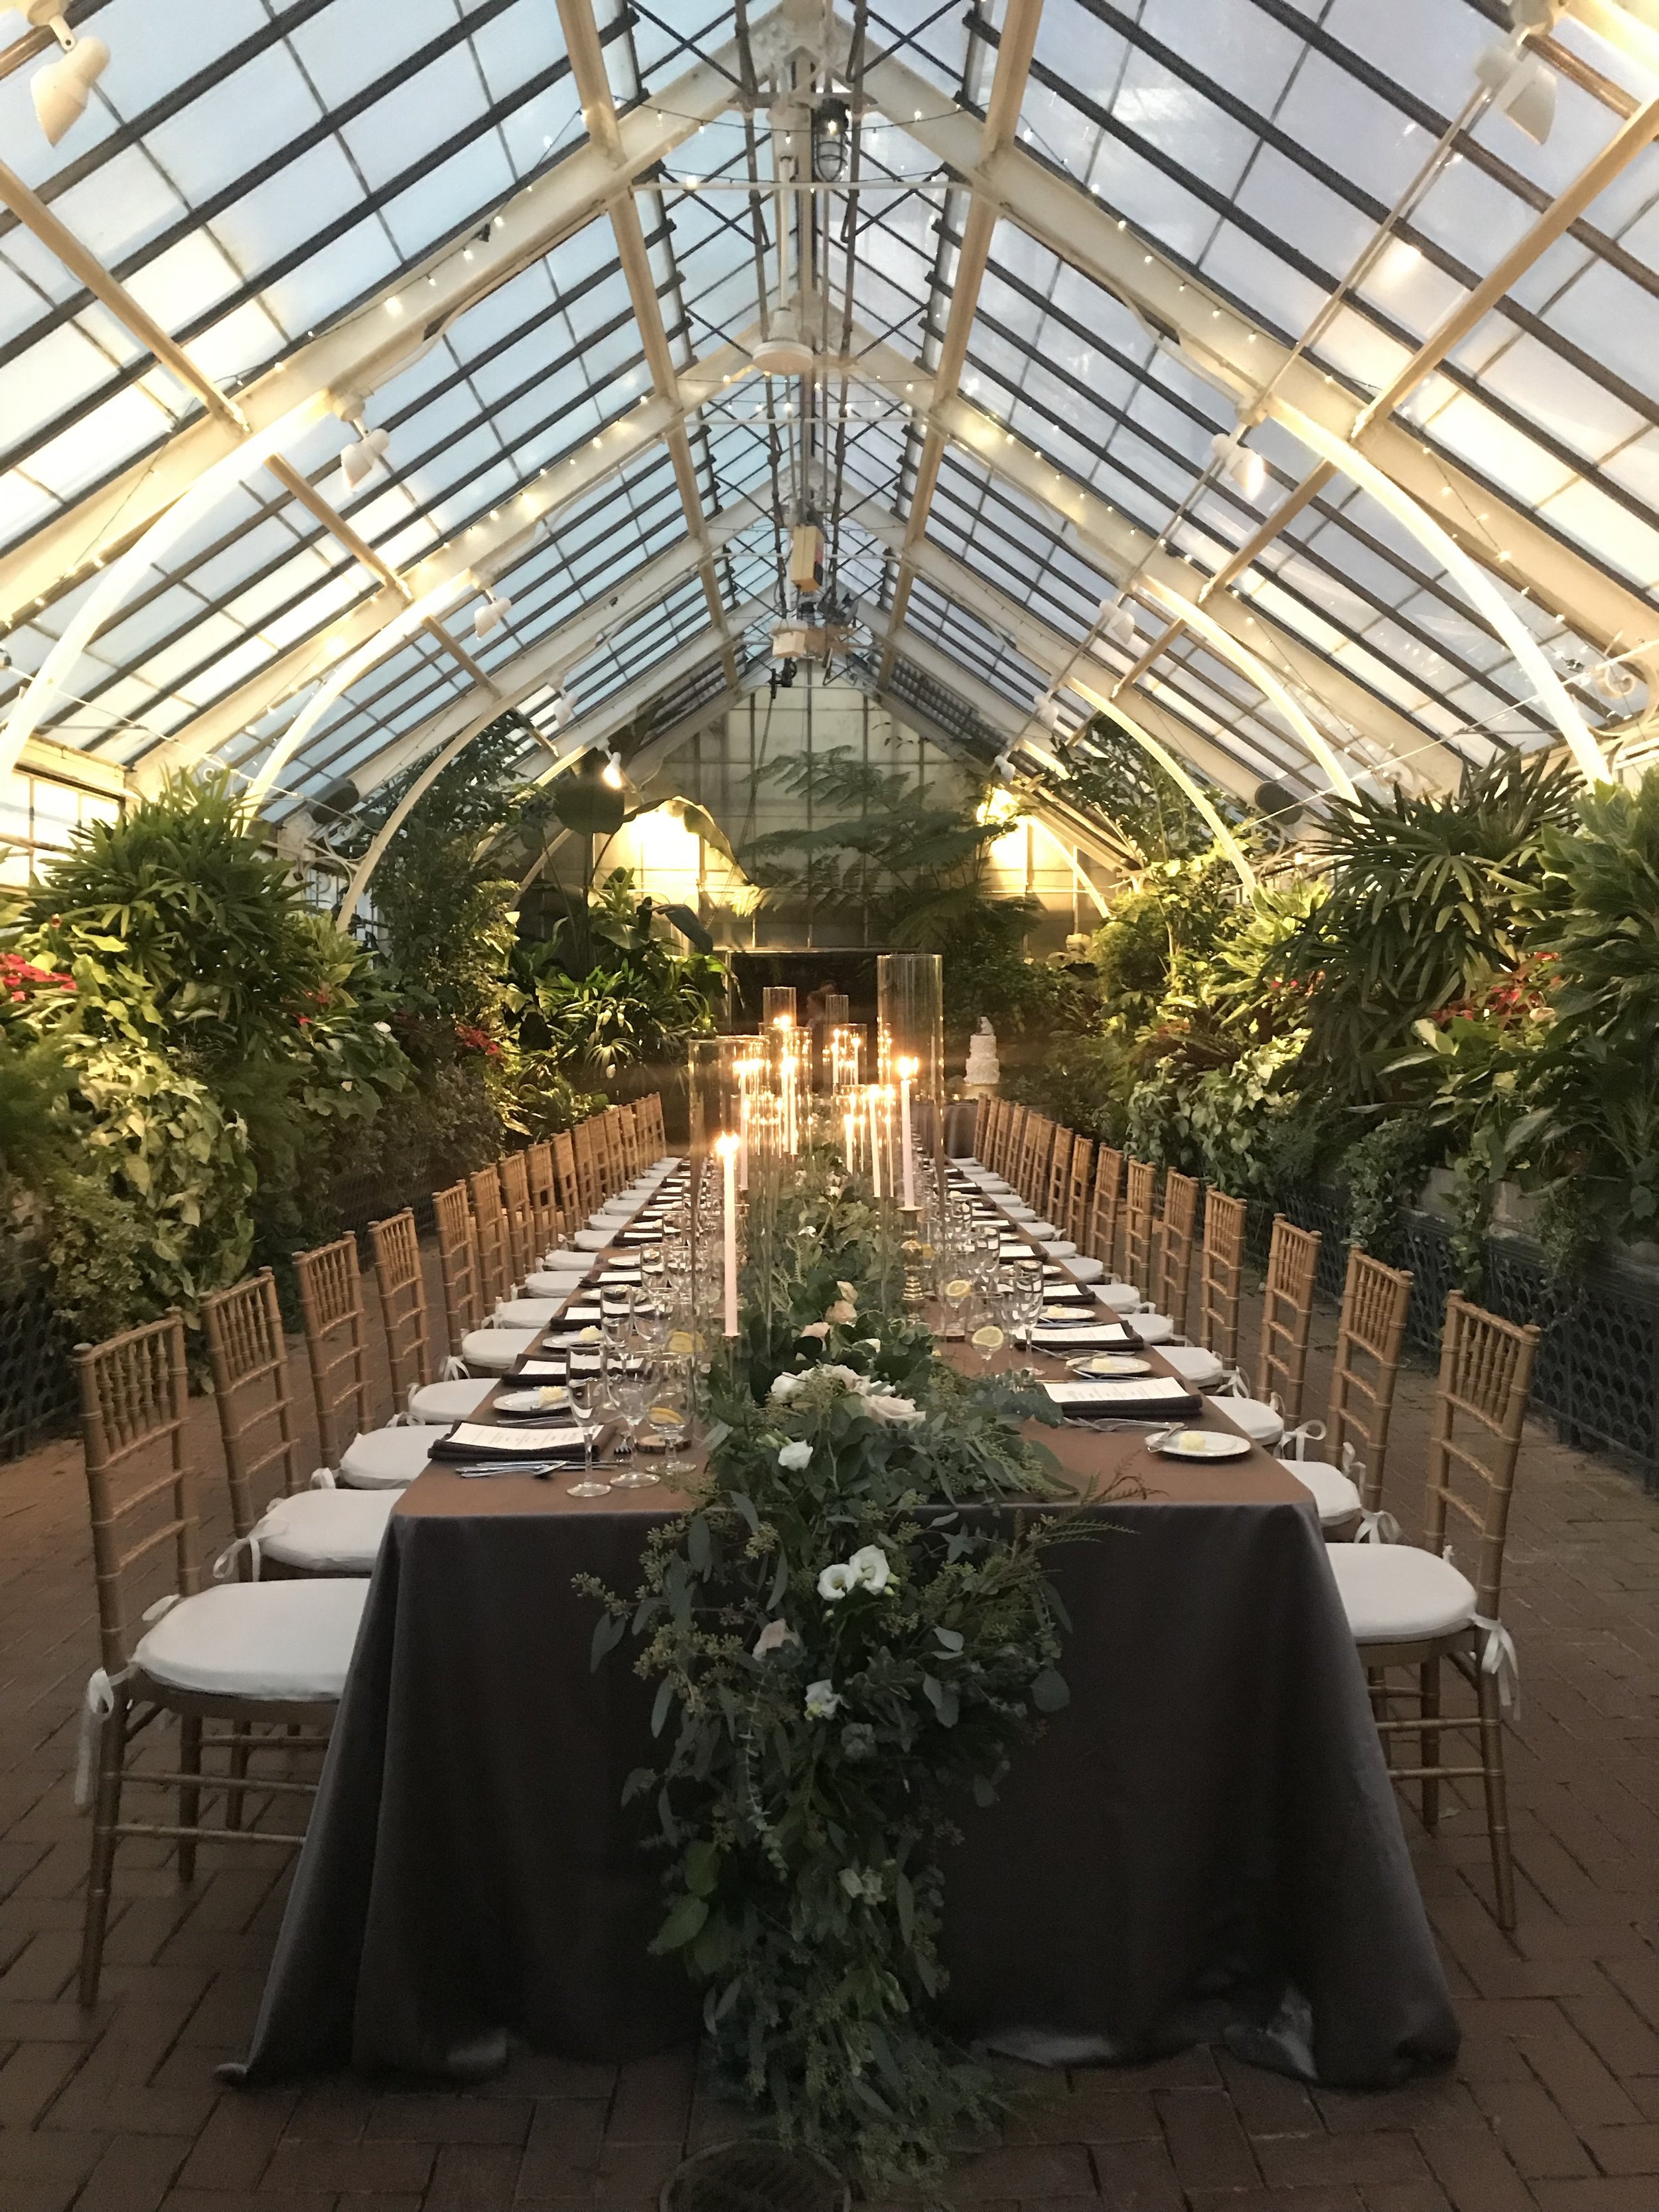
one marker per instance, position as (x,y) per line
(868,1569)
(822,1702)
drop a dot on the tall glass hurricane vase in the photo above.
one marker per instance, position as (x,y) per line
(910,1059)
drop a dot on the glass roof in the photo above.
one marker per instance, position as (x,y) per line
(328,220)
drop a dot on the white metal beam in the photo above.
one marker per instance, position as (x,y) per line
(374,343)
(1229,351)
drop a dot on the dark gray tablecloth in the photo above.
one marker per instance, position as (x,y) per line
(1203,1837)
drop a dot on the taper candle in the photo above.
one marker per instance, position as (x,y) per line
(727,1149)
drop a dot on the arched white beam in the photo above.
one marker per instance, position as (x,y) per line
(119,581)
(1254,670)
(385,640)
(1177,775)
(1547,687)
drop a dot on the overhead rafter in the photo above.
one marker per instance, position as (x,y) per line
(1634,136)
(1014,53)
(1235,354)
(581,38)
(375,342)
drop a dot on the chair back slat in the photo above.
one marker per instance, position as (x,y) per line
(585,1138)
(612,1135)
(629,1123)
(1480,1406)
(1287,1316)
(248,1356)
(1103,1207)
(336,1325)
(495,1275)
(400,1281)
(141,1486)
(653,1142)
(1140,1187)
(1175,1245)
(457,1263)
(543,1197)
(1221,1274)
(1370,1337)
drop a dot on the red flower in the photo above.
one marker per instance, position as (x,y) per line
(475,1040)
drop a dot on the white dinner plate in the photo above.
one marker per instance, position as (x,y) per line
(1109,1366)
(545,1400)
(1199,1443)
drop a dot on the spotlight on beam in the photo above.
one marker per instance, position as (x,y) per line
(1118,622)
(1521,87)
(1244,468)
(61,88)
(491,615)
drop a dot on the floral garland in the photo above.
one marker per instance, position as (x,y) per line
(845,1654)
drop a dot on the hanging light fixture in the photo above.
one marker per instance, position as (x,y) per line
(1117,621)
(611,773)
(1244,468)
(370,449)
(562,710)
(783,351)
(491,615)
(61,89)
(1521,87)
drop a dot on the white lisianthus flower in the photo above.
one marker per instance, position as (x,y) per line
(822,1702)
(819,1329)
(848,1292)
(773,1638)
(902,1412)
(869,1567)
(835,1582)
(785,1386)
(385,1028)
(847,1377)
(841,1314)
(795,1456)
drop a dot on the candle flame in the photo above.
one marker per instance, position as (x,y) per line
(727,1147)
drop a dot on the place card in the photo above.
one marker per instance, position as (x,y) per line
(619,1275)
(471,1439)
(1087,1336)
(1159,1390)
(582,1314)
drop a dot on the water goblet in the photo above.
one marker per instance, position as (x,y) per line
(632,1391)
(584,1415)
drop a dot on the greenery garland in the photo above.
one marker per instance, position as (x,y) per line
(845,1654)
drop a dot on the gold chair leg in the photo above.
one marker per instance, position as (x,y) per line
(1428,1741)
(106,1812)
(1497,1801)
(190,1795)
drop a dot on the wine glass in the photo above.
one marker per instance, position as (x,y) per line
(986,1333)
(668,1415)
(582,1412)
(632,1391)
(1025,1303)
(955,1291)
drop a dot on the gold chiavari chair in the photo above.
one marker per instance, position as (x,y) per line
(205,1655)
(1013,1146)
(1411,1608)
(1347,1480)
(336,1326)
(1075,1223)
(1039,1142)
(585,1141)
(628,1125)
(1221,1274)
(1140,1189)
(400,1281)
(458,1264)
(996,1149)
(1281,1366)
(1101,1243)
(496,1274)
(611,1131)
(546,1223)
(655,1143)
(523,1251)
(1175,1246)
(988,1114)
(1053,1207)
(566,1187)
(248,1356)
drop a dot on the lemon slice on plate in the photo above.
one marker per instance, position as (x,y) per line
(989,1339)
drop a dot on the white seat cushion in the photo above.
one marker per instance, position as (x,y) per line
(565,1263)
(1336,1494)
(1258,1419)
(1079,1266)
(1396,1594)
(495,1349)
(594,1240)
(328,1531)
(1121,1297)
(385,1459)
(529,1313)
(1044,1231)
(1151,1328)
(1017,1210)
(285,1641)
(441,1403)
(1195,1366)
(554,1283)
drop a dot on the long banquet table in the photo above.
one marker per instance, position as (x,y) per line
(1203,1844)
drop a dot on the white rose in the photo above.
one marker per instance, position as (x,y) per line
(845,1376)
(774,1637)
(870,1567)
(785,1386)
(903,1412)
(841,1314)
(848,1292)
(822,1703)
(835,1583)
(819,1329)
(795,1456)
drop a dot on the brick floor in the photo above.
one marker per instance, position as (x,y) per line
(1554,2105)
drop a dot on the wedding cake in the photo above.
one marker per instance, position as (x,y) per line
(983,1071)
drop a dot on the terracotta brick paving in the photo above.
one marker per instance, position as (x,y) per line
(1552,2106)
